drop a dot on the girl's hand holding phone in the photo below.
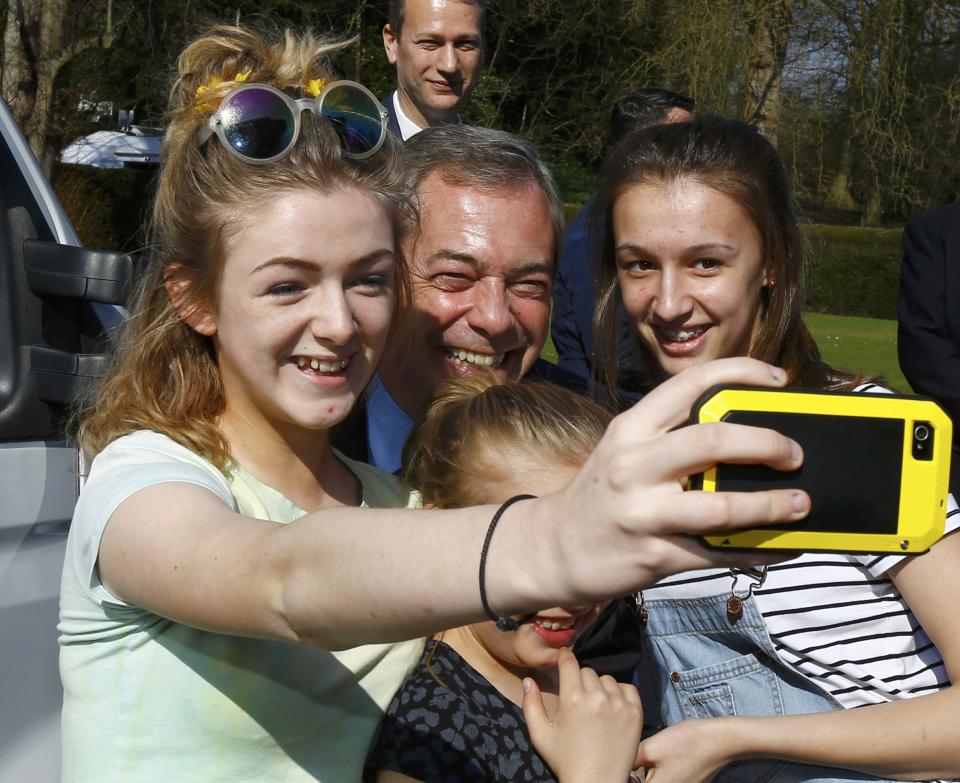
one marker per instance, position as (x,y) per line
(595,734)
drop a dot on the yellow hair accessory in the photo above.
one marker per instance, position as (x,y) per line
(216,81)
(314,86)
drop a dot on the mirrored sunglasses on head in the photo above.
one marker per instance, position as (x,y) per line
(261,124)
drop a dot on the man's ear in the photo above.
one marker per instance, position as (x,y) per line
(390,44)
(177,281)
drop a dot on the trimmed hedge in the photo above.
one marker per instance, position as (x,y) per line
(850,270)
(853,271)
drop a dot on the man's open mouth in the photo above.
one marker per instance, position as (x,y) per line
(492,361)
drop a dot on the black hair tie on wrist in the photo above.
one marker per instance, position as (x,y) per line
(503,623)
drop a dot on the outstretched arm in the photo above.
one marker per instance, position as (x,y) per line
(342,577)
(913,739)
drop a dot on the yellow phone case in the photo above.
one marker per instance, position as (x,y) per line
(866,440)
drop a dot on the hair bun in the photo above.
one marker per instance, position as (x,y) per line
(210,65)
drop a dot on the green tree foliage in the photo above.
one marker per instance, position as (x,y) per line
(861,96)
(873,109)
(40,39)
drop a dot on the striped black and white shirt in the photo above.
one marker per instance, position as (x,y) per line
(839,620)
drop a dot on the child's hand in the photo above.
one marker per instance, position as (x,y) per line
(595,734)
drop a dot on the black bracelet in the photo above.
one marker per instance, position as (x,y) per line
(503,623)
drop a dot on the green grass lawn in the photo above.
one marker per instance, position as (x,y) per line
(867,345)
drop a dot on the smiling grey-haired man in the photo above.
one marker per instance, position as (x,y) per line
(482,259)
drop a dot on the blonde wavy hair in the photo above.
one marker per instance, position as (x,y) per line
(163,376)
(474,426)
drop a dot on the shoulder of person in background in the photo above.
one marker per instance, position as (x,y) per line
(942,218)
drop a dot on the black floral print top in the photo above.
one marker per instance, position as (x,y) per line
(461,731)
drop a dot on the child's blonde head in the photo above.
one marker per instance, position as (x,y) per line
(479,431)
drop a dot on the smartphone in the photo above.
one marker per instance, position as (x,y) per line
(876,467)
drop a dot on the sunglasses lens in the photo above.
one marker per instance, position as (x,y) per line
(257,123)
(355,117)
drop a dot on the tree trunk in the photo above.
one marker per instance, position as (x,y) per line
(35,50)
(18,77)
(839,193)
(765,67)
(873,209)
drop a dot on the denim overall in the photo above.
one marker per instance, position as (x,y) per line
(684,634)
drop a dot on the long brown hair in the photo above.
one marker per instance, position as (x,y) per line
(164,375)
(737,161)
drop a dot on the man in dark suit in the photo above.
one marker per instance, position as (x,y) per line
(437,49)
(929,314)
(573,298)
(482,263)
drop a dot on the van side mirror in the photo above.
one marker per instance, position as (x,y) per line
(55,270)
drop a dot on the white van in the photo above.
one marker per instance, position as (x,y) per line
(56,302)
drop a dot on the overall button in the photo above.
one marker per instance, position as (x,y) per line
(675,676)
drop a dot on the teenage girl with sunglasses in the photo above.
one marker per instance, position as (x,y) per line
(457,716)
(226,611)
(701,245)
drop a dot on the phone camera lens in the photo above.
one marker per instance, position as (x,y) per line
(923,440)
